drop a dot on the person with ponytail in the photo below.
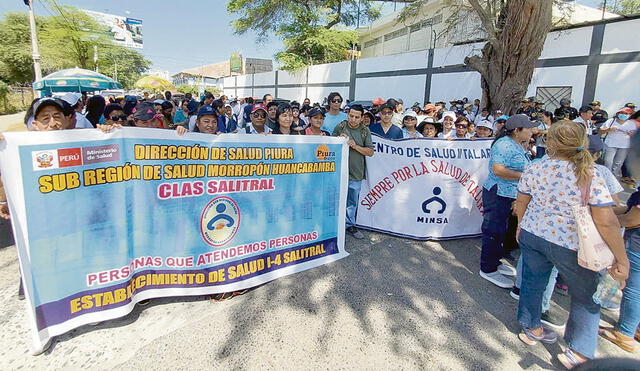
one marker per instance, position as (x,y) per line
(548,237)
(508,161)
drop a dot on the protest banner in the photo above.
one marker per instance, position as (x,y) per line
(103,221)
(426,189)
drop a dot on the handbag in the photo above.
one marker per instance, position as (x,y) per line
(593,253)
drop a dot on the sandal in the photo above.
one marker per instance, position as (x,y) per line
(569,359)
(228,295)
(528,337)
(222,296)
(625,343)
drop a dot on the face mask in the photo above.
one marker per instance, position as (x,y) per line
(623,116)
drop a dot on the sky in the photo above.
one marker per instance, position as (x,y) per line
(182,34)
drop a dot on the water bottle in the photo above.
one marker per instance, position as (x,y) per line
(607,289)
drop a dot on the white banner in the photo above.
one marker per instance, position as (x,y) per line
(427,189)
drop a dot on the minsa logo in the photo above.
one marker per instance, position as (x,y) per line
(433,207)
(219,221)
(323,153)
(69,157)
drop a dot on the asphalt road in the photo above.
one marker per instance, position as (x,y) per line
(392,304)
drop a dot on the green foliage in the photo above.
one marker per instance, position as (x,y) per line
(316,45)
(16,65)
(624,7)
(306,27)
(187,89)
(66,40)
(4,95)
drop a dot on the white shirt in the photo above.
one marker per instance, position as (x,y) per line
(471,117)
(252,130)
(618,138)
(396,119)
(587,124)
(192,122)
(82,122)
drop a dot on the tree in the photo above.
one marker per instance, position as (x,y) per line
(16,65)
(313,31)
(67,40)
(515,32)
(123,64)
(623,7)
(187,89)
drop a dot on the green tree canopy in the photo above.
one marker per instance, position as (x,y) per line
(313,31)
(66,40)
(623,7)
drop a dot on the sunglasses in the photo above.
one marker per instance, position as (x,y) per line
(337,101)
(119,118)
(258,115)
(461,126)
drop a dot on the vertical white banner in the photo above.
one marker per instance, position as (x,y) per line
(427,189)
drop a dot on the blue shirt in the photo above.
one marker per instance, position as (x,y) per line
(507,152)
(331,121)
(179,117)
(393,133)
(222,121)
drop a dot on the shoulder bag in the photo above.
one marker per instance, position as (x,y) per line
(593,252)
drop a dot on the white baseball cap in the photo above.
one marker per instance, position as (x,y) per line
(485,124)
(71,98)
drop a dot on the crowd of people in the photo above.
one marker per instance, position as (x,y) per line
(541,164)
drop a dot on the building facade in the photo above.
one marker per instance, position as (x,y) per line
(430,29)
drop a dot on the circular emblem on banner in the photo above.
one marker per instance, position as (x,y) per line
(219,221)
(323,154)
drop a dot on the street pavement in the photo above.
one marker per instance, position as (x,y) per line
(392,304)
(12,122)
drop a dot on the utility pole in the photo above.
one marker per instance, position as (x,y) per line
(95,56)
(34,42)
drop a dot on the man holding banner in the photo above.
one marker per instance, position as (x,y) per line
(360,145)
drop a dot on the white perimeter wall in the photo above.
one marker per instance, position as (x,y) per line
(616,83)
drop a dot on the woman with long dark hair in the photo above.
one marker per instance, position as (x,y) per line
(95,109)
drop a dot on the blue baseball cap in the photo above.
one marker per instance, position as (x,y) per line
(206,110)
(192,106)
(316,111)
(503,117)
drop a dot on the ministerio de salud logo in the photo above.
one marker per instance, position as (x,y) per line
(220,221)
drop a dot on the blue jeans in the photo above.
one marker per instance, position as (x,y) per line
(539,256)
(497,210)
(352,201)
(548,291)
(630,305)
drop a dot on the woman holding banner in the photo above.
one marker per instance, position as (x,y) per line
(508,161)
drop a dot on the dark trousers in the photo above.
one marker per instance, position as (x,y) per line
(497,211)
(625,169)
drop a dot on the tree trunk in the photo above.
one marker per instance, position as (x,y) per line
(508,59)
